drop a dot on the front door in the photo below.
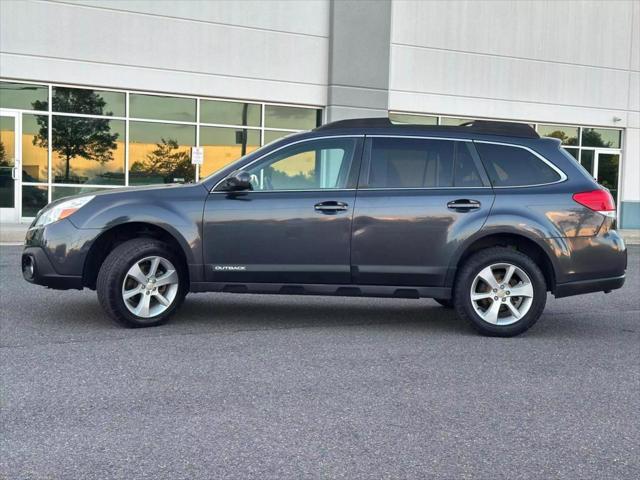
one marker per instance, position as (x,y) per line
(294,226)
(10,161)
(418,199)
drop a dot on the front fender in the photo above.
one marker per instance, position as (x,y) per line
(177,211)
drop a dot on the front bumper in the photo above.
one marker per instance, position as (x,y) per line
(54,255)
(37,268)
(589,286)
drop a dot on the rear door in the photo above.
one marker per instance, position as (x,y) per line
(418,199)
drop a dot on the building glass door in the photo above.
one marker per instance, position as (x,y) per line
(606,168)
(10,166)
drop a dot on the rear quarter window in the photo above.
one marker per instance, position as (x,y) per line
(509,166)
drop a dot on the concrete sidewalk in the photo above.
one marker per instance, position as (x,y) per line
(15,232)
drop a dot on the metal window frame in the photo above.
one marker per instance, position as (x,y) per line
(128,118)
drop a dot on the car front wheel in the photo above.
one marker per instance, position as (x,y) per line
(501,291)
(141,283)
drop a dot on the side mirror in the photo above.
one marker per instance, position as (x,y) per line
(237,181)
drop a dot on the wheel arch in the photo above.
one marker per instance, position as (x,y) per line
(535,248)
(118,234)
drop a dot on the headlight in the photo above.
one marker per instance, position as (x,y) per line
(63,210)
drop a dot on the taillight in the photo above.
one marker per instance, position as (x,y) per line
(599,200)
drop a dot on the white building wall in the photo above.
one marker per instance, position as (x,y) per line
(270,51)
(544,61)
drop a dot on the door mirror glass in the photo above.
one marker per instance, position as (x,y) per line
(237,182)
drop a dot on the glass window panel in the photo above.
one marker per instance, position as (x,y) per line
(162,108)
(318,164)
(413,119)
(35,164)
(225,145)
(160,153)
(87,150)
(465,172)
(88,102)
(7,161)
(411,163)
(61,192)
(230,113)
(273,135)
(294,118)
(601,137)
(24,96)
(567,134)
(608,164)
(34,198)
(587,161)
(454,121)
(574,152)
(512,166)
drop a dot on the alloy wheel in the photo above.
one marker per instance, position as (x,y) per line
(150,286)
(501,294)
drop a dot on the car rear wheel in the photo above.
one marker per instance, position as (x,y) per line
(501,291)
(141,283)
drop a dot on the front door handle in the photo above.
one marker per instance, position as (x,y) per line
(463,204)
(330,207)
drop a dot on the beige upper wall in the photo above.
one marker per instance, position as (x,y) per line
(233,49)
(558,60)
(308,17)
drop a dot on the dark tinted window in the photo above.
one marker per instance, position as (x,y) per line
(465,172)
(411,163)
(513,166)
(422,163)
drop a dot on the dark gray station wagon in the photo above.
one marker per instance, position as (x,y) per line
(485,218)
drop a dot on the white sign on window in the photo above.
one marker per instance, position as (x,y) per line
(197,155)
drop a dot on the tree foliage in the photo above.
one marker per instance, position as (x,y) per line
(3,156)
(73,137)
(168,161)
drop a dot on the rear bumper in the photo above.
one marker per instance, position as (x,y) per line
(37,268)
(588,286)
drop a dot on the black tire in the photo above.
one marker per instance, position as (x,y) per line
(445,303)
(495,255)
(112,274)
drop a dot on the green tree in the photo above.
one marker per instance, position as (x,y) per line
(168,161)
(3,156)
(593,138)
(563,137)
(88,138)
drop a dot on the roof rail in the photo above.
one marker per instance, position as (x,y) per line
(488,127)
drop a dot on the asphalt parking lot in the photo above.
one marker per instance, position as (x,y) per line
(309,387)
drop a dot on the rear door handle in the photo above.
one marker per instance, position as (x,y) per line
(463,204)
(331,206)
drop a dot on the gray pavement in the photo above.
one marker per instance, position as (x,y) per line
(272,387)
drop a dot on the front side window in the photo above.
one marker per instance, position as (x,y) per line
(509,166)
(313,165)
(421,163)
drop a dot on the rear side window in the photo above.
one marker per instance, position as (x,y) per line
(509,166)
(421,163)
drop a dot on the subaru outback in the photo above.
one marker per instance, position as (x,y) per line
(485,218)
